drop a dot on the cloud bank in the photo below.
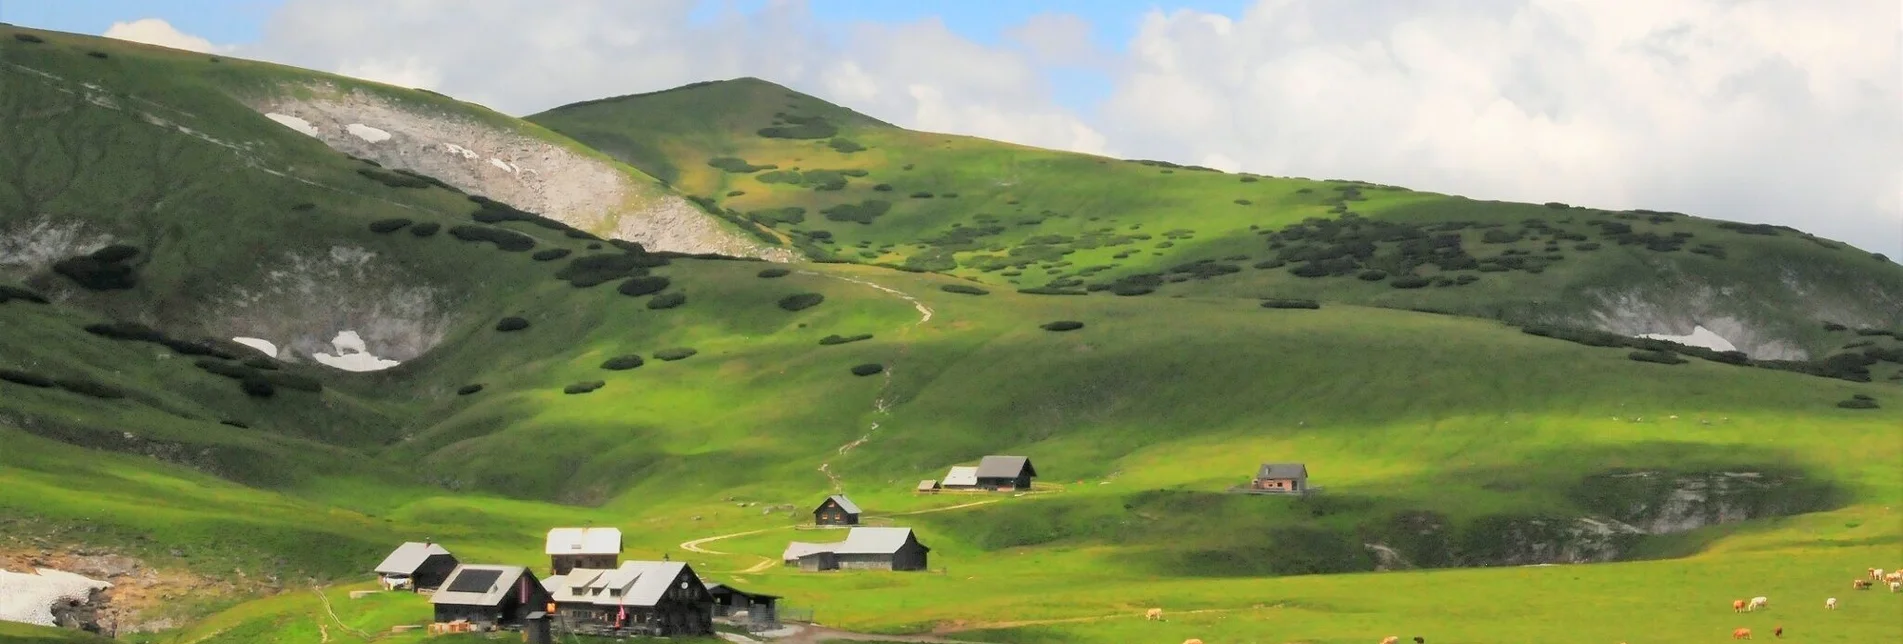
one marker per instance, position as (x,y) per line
(1779,111)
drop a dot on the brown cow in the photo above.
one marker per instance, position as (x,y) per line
(1778,632)
(1860,584)
(1737,605)
(1741,634)
(1391,639)
(1192,641)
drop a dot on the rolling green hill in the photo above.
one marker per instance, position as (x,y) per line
(554,375)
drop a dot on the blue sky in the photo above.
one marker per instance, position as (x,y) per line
(1114,22)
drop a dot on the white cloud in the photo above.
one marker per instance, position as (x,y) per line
(1780,111)
(153,31)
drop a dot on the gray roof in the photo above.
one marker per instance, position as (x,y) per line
(505,583)
(751,595)
(635,583)
(962,475)
(408,557)
(1004,467)
(860,541)
(928,484)
(799,549)
(583,541)
(1282,471)
(844,503)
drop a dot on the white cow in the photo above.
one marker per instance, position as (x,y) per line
(1896,586)
(1830,604)
(1759,602)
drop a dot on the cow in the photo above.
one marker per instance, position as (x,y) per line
(1860,584)
(1420,640)
(1737,605)
(1896,586)
(1875,573)
(1391,639)
(1778,632)
(1741,634)
(1759,602)
(1895,575)
(1830,603)
(1192,641)
(1154,614)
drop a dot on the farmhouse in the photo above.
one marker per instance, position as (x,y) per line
(655,598)
(416,566)
(863,549)
(753,608)
(836,510)
(489,596)
(1005,473)
(1281,477)
(961,477)
(571,548)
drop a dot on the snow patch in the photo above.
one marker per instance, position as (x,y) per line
(266,346)
(504,165)
(293,122)
(30,598)
(367,133)
(1699,337)
(352,355)
(461,151)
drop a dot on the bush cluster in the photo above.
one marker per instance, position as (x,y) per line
(395,179)
(964,289)
(623,363)
(507,240)
(1659,357)
(737,165)
(256,382)
(845,146)
(389,225)
(468,389)
(788,126)
(676,353)
(773,272)
(425,229)
(511,323)
(105,269)
(550,254)
(1061,325)
(800,301)
(9,293)
(1052,290)
(25,378)
(1284,303)
(642,285)
(843,339)
(583,387)
(1859,401)
(867,369)
(135,332)
(863,212)
(667,300)
(28,38)
(590,270)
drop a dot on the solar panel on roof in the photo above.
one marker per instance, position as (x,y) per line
(474,581)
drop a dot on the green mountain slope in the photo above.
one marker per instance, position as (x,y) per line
(552,377)
(839,185)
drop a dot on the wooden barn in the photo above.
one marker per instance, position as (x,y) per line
(836,510)
(416,566)
(1281,477)
(758,609)
(571,548)
(652,598)
(489,596)
(1005,473)
(863,549)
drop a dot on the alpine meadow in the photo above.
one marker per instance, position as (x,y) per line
(260,326)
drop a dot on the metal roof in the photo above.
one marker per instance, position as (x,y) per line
(964,475)
(798,549)
(873,541)
(635,583)
(408,557)
(928,484)
(584,541)
(505,582)
(1004,467)
(844,504)
(1282,471)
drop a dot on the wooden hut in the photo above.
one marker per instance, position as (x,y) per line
(1281,477)
(863,549)
(1005,473)
(571,548)
(652,598)
(836,510)
(489,596)
(416,566)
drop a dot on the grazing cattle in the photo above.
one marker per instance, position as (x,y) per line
(1830,604)
(1759,602)
(1391,639)
(1895,575)
(1737,605)
(1860,584)
(1778,632)
(1192,641)
(1896,586)
(1154,614)
(1875,573)
(1741,634)
(1419,640)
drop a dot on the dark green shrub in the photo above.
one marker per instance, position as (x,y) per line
(389,225)
(551,254)
(393,179)
(623,363)
(1290,304)
(28,38)
(227,369)
(125,331)
(203,348)
(642,285)
(1410,281)
(24,378)
(843,339)
(583,387)
(261,363)
(667,300)
(1244,202)
(232,423)
(115,253)
(103,270)
(1061,325)
(792,177)
(1049,290)
(867,369)
(468,389)
(511,324)
(425,229)
(8,293)
(507,240)
(770,273)
(809,128)
(97,54)
(1833,326)
(964,289)
(922,195)
(863,212)
(676,353)
(736,165)
(1372,275)
(257,387)
(85,387)
(589,270)
(800,301)
(883,187)
(845,146)
(1659,357)
(304,207)
(1863,402)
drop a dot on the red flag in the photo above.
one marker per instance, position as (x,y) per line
(621,616)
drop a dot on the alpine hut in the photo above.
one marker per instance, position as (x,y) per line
(863,549)
(836,510)
(1005,473)
(1281,477)
(416,566)
(651,598)
(489,596)
(571,548)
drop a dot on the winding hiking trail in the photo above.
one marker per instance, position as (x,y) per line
(880,405)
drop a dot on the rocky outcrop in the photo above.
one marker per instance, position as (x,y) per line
(302,301)
(527,170)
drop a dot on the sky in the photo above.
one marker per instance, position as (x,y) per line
(1765,111)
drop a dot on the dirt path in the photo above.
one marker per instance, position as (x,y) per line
(960,506)
(882,404)
(694,546)
(333,616)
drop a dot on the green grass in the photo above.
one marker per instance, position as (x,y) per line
(1138,421)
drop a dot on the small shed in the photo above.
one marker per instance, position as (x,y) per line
(836,510)
(571,548)
(416,566)
(1281,477)
(753,608)
(489,595)
(961,477)
(1005,473)
(928,486)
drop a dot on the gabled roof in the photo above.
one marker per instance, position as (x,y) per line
(1004,467)
(844,504)
(928,484)
(1282,471)
(798,549)
(635,583)
(408,557)
(962,475)
(584,541)
(873,541)
(457,591)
